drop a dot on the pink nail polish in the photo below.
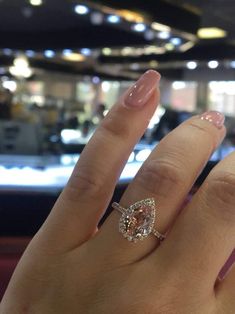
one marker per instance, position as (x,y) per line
(142,90)
(214,117)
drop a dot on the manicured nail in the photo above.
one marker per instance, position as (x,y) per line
(142,90)
(214,117)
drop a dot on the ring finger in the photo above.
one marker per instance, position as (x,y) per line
(167,176)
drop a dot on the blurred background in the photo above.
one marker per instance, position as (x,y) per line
(63,64)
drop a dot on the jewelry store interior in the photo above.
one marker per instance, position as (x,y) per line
(64,64)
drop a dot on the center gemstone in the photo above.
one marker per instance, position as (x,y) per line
(137,223)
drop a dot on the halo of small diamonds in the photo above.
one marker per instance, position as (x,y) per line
(137,221)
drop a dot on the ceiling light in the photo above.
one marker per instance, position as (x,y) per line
(139,27)
(130,16)
(11,85)
(35,2)
(232,64)
(95,80)
(7,51)
(126,51)
(113,19)
(160,27)
(169,46)
(81,9)
(21,62)
(135,66)
(25,72)
(67,52)
(186,46)
(153,64)
(96,18)
(191,65)
(211,32)
(149,35)
(176,41)
(177,85)
(74,57)
(106,86)
(163,35)
(86,51)
(30,53)
(213,64)
(49,53)
(106,51)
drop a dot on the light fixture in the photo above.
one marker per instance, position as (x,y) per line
(134,66)
(232,64)
(107,51)
(49,53)
(169,46)
(36,2)
(139,27)
(160,27)
(163,35)
(126,51)
(105,86)
(213,64)
(81,9)
(21,68)
(95,80)
(21,62)
(149,35)
(96,18)
(11,85)
(114,19)
(130,16)
(177,85)
(153,63)
(30,53)
(176,41)
(67,52)
(191,65)
(211,32)
(74,57)
(86,51)
(7,51)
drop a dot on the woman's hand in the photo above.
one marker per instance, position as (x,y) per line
(70,267)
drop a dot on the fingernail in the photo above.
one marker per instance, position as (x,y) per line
(142,90)
(214,117)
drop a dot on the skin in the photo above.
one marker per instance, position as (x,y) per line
(71,267)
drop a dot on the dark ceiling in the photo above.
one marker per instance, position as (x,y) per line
(54,25)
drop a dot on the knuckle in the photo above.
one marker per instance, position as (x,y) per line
(83,184)
(113,126)
(160,177)
(220,194)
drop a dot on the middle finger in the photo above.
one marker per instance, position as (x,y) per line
(167,176)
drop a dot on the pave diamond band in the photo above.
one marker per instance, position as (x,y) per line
(137,221)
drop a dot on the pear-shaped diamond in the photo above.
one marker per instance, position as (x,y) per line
(137,222)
